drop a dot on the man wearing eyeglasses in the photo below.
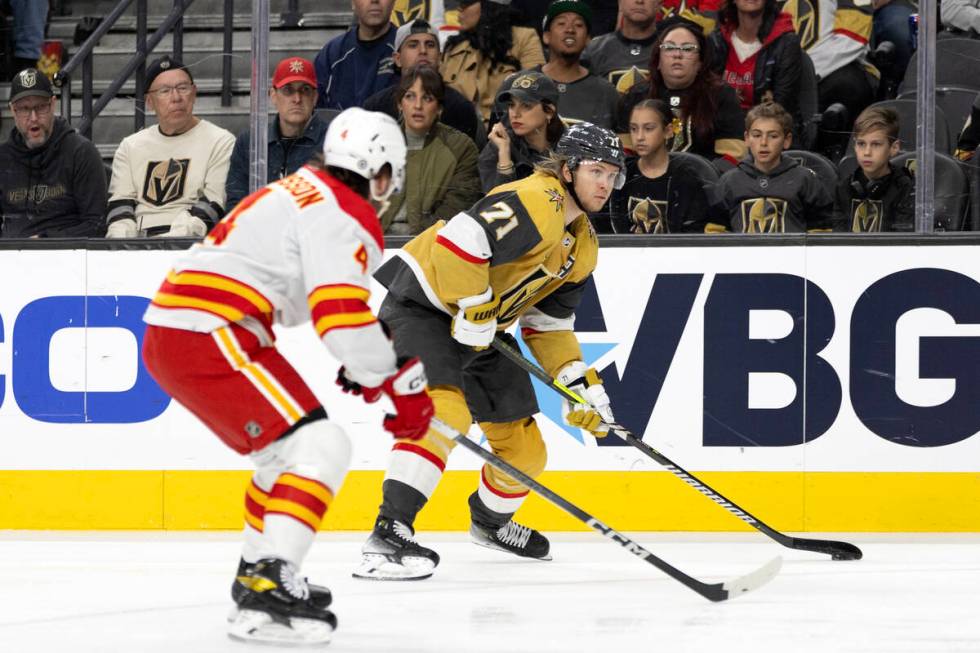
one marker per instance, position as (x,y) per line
(295,134)
(169,179)
(52,181)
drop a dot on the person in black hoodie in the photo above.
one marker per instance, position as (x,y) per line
(770,193)
(52,181)
(878,196)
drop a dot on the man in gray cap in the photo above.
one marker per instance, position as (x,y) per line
(418,42)
(52,181)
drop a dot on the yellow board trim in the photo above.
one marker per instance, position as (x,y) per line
(635,501)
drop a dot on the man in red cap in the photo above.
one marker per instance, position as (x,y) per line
(295,134)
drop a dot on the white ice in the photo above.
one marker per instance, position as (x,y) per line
(156,593)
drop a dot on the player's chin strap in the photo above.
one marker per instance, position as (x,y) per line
(383,200)
(837,550)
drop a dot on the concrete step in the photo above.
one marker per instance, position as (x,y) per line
(64,26)
(197,7)
(116,120)
(307,37)
(204,62)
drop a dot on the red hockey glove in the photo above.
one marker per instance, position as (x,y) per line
(414,410)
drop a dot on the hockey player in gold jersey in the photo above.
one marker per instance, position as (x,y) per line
(520,255)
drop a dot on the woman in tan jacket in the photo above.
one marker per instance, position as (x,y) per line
(478,59)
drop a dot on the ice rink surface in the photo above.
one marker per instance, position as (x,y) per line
(167,593)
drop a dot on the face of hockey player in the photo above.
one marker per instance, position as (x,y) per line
(469,16)
(418,48)
(680,58)
(419,108)
(594,183)
(767,140)
(372,14)
(527,118)
(294,104)
(873,149)
(648,131)
(567,36)
(172,100)
(34,119)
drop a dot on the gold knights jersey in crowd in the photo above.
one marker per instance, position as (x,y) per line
(515,241)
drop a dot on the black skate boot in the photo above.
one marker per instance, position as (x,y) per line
(391,553)
(274,606)
(320,596)
(512,538)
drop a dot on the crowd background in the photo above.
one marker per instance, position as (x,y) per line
(484,88)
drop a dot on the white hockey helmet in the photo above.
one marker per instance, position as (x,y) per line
(363,142)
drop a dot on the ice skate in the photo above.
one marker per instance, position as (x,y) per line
(512,538)
(274,606)
(320,596)
(391,553)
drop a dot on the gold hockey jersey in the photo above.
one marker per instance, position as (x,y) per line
(515,241)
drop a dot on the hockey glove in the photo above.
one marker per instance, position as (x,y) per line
(407,390)
(594,416)
(475,324)
(414,410)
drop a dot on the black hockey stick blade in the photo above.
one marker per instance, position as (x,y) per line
(712,592)
(836,550)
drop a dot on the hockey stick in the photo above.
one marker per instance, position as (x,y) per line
(836,550)
(712,592)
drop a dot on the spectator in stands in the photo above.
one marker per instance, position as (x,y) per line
(707,118)
(581,95)
(838,46)
(757,52)
(357,64)
(169,179)
(878,196)
(441,174)
(52,181)
(961,15)
(771,193)
(703,12)
(30,19)
(662,195)
(891,23)
(295,133)
(486,50)
(527,135)
(966,145)
(623,56)
(417,42)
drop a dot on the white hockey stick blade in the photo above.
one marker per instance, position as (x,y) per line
(753,580)
(255,626)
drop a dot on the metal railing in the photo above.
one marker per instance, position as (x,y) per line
(136,64)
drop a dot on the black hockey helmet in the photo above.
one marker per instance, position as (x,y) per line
(584,142)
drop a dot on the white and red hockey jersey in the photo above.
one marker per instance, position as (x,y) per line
(303,248)
(833,32)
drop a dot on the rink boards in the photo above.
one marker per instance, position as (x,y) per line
(822,388)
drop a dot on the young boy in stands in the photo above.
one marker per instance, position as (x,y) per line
(768,192)
(878,196)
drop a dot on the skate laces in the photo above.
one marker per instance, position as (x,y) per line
(293,583)
(403,531)
(514,534)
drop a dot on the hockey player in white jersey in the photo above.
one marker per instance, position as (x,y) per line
(301,249)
